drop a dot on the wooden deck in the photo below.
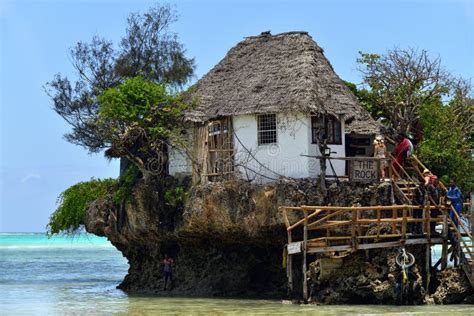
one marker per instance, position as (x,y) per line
(338,231)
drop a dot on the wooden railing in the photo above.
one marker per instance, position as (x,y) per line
(355,225)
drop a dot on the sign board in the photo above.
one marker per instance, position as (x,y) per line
(294,247)
(364,170)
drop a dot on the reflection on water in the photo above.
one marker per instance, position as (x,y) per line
(63,276)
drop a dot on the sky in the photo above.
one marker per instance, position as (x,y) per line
(37,164)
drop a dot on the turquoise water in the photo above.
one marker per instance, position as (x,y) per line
(78,276)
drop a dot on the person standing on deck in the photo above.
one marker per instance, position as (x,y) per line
(168,270)
(455,196)
(418,199)
(434,195)
(380,151)
(401,152)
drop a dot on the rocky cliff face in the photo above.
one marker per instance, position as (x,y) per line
(228,240)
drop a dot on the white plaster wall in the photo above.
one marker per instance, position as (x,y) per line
(272,160)
(340,151)
(178,162)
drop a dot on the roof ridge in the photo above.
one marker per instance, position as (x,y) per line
(269,34)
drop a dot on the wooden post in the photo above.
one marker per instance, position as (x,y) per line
(404,224)
(444,250)
(289,268)
(428,266)
(353,230)
(305,239)
(378,224)
(426,211)
(472,213)
(394,224)
(428,222)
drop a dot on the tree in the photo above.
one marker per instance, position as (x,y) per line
(148,49)
(445,148)
(141,121)
(366,100)
(401,81)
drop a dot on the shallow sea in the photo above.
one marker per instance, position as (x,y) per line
(64,276)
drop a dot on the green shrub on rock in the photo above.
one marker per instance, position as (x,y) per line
(73,203)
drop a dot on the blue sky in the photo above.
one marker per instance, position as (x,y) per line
(36,163)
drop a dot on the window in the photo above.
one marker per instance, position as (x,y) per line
(266,128)
(332,130)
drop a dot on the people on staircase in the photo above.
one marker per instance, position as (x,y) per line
(403,150)
(380,151)
(418,199)
(454,196)
(434,195)
(168,270)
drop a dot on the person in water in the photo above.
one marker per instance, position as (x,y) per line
(168,270)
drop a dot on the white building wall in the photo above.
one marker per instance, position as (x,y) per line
(267,162)
(178,161)
(336,151)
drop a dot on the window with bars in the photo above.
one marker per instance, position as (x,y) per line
(332,129)
(266,129)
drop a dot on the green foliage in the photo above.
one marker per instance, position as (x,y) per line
(69,216)
(445,148)
(125,185)
(366,99)
(148,49)
(175,197)
(139,102)
(141,119)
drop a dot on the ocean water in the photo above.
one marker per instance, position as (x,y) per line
(78,276)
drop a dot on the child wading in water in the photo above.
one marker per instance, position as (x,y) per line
(168,270)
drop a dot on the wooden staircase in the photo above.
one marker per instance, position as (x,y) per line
(464,247)
(405,190)
(462,236)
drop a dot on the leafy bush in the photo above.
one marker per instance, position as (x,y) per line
(175,197)
(69,216)
(125,185)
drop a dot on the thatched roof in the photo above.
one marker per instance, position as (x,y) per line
(287,73)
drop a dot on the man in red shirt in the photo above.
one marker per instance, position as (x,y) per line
(402,149)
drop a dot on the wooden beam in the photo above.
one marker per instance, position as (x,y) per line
(289,268)
(428,265)
(399,243)
(316,212)
(305,249)
(472,213)
(444,249)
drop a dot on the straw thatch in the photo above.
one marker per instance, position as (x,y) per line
(281,73)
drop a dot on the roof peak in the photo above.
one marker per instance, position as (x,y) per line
(269,34)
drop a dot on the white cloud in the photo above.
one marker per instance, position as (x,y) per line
(29,177)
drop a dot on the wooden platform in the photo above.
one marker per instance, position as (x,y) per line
(337,231)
